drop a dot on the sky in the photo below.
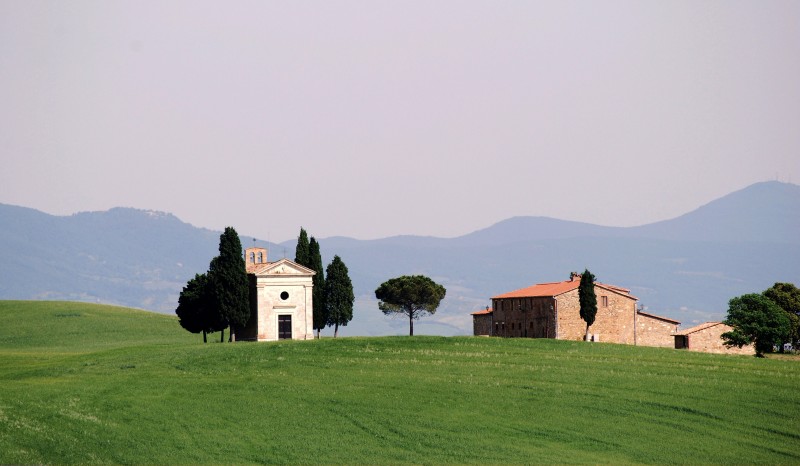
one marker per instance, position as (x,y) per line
(370,119)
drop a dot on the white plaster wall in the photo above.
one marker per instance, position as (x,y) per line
(298,304)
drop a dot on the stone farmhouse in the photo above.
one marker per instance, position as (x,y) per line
(280,299)
(707,337)
(552,310)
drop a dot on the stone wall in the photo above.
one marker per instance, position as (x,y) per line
(653,331)
(709,340)
(524,317)
(482,324)
(613,321)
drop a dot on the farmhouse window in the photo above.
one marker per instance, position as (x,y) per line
(604,301)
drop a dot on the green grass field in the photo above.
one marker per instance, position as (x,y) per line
(83,383)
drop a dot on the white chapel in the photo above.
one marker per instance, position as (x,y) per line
(280,299)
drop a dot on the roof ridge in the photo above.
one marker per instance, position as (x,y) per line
(699,327)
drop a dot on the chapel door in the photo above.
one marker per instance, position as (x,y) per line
(284,327)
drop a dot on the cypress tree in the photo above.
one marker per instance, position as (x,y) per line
(302,252)
(196,310)
(228,277)
(320,316)
(339,295)
(587,299)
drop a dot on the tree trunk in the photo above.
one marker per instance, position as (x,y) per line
(336,331)
(586,338)
(231,335)
(317,334)
(410,326)
(222,336)
(204,337)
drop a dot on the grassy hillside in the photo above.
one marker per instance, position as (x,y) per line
(92,384)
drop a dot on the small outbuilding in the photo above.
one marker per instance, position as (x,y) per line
(707,337)
(654,330)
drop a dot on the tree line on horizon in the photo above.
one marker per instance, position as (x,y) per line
(218,299)
(332,295)
(410,296)
(768,320)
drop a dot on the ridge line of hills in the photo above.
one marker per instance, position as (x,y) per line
(685,268)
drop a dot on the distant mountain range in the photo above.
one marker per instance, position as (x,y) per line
(686,268)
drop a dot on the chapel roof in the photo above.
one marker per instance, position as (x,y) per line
(253,268)
(279,267)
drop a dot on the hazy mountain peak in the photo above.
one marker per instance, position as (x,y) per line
(767,211)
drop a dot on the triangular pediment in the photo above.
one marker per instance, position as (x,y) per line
(283,267)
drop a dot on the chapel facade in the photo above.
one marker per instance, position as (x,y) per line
(281,302)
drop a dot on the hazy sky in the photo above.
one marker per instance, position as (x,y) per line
(375,118)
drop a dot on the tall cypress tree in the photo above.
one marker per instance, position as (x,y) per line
(587,299)
(339,295)
(228,279)
(320,315)
(302,252)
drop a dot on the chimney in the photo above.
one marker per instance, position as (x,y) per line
(573,276)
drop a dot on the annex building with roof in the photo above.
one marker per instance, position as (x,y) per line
(707,337)
(552,310)
(280,299)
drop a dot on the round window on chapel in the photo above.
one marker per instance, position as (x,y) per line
(284,295)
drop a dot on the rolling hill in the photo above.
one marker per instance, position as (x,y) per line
(685,268)
(83,383)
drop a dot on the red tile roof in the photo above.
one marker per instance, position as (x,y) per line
(488,310)
(555,289)
(541,289)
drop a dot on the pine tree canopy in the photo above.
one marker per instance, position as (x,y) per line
(412,296)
